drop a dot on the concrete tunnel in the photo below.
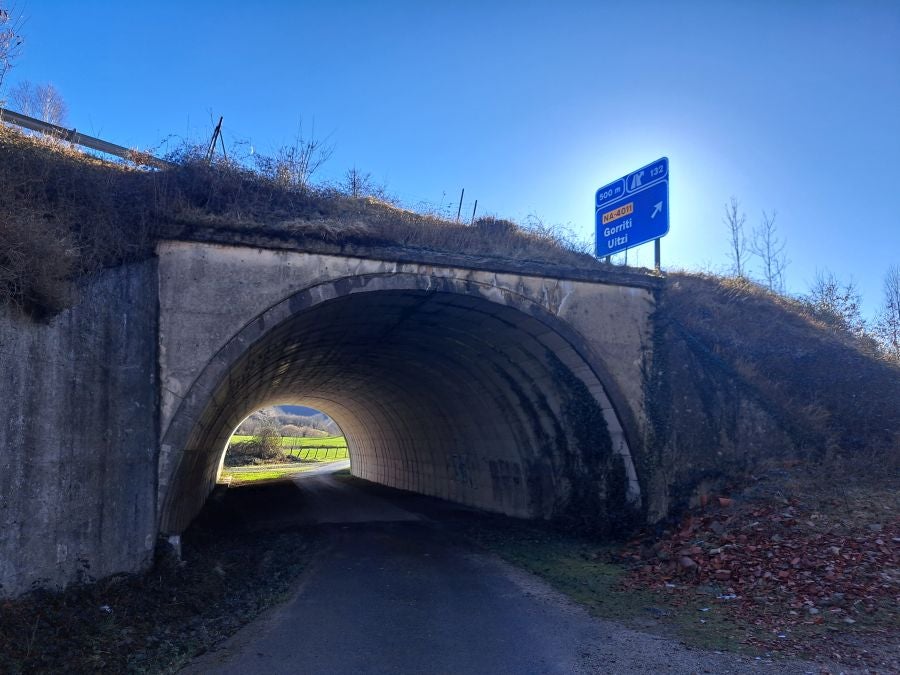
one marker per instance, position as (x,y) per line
(438,392)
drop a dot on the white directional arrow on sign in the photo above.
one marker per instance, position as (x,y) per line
(656,209)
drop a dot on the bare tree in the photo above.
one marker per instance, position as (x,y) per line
(294,165)
(42,101)
(738,252)
(10,40)
(357,183)
(769,248)
(836,303)
(887,323)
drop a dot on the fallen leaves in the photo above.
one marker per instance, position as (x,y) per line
(786,571)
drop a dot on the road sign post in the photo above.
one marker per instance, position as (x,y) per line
(633,210)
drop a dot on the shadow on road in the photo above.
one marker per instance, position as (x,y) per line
(327,496)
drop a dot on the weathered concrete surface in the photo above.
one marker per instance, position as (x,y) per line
(78,443)
(512,392)
(705,426)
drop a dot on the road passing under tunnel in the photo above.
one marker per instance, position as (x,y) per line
(393,591)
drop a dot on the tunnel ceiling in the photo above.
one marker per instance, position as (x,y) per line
(438,393)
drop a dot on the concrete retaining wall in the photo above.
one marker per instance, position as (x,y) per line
(78,443)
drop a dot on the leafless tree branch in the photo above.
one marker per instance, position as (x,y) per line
(836,303)
(887,323)
(769,248)
(11,40)
(42,101)
(294,165)
(738,241)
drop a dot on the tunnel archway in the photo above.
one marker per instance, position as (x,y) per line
(442,386)
(282,435)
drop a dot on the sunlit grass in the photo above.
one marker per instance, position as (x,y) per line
(240,475)
(254,476)
(323,449)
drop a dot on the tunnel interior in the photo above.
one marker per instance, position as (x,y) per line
(439,393)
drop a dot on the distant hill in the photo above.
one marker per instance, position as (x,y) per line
(297,415)
(299,410)
(317,416)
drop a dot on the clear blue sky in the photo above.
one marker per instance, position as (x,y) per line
(531,106)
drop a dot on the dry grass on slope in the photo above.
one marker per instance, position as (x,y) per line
(66,214)
(828,389)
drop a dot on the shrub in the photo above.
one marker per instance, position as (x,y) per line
(36,264)
(264,447)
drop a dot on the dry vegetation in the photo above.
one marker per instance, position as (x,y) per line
(67,214)
(835,394)
(157,621)
(265,447)
(797,554)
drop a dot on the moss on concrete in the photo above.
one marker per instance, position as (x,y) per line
(598,499)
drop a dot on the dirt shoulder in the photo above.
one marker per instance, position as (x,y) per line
(793,567)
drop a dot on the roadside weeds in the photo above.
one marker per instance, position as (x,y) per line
(157,621)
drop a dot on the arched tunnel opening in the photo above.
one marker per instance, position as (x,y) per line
(282,435)
(447,394)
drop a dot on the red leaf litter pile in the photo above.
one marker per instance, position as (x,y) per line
(801,582)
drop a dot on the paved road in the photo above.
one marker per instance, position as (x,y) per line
(391,594)
(319,467)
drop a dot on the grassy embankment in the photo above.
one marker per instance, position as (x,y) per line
(89,214)
(155,622)
(309,449)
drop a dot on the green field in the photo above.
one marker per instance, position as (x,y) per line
(239,475)
(322,449)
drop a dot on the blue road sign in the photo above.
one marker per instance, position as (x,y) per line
(633,209)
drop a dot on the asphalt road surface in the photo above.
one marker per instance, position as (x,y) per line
(390,593)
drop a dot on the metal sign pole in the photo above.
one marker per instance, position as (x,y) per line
(656,254)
